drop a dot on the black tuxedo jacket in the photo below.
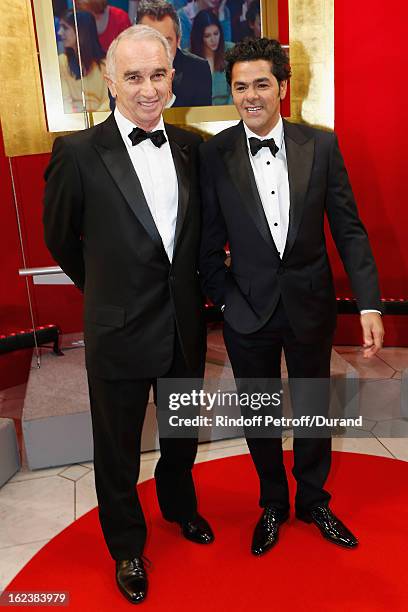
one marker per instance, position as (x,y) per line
(99,228)
(258,277)
(192,83)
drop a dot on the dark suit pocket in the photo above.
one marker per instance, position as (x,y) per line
(108,316)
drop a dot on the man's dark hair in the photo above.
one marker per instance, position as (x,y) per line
(159,9)
(250,50)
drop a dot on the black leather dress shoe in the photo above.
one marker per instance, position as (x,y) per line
(131,579)
(330,526)
(197,530)
(266,532)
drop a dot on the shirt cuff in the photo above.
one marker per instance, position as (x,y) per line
(370,310)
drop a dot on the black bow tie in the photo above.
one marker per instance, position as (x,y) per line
(255,144)
(137,135)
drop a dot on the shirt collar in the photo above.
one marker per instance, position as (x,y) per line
(276,133)
(125,126)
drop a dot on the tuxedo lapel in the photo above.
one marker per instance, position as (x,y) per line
(181,158)
(117,162)
(236,159)
(299,156)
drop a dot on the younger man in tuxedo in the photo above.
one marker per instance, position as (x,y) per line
(267,185)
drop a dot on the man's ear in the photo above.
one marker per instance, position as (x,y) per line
(283,87)
(170,94)
(111,86)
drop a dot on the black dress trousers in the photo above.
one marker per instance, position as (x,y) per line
(118,410)
(258,356)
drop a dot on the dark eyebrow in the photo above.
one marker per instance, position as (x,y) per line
(256,82)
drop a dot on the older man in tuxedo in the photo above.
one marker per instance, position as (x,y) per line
(122,219)
(267,186)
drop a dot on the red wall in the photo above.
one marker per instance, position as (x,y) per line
(369,119)
(370,109)
(62,306)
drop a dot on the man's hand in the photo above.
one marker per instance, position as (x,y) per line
(373,333)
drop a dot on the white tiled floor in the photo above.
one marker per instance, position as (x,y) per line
(35,506)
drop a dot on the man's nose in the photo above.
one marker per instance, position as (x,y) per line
(251,93)
(148,89)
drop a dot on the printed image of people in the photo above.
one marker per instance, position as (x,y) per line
(198,31)
(95,23)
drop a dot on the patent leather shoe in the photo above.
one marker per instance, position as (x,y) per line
(329,525)
(197,530)
(266,532)
(131,579)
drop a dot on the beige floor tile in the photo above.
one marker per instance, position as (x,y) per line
(74,472)
(395,357)
(219,445)
(26,474)
(397,446)
(12,559)
(88,464)
(392,428)
(150,455)
(35,509)
(85,494)
(366,368)
(231,451)
(147,470)
(365,446)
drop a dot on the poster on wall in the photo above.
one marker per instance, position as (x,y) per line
(74,36)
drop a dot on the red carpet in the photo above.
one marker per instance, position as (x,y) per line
(303,572)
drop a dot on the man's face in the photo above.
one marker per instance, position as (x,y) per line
(166,27)
(257,95)
(142,85)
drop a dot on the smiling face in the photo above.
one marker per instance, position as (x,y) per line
(67,35)
(211,38)
(142,85)
(257,95)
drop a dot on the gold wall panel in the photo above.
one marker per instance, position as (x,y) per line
(21,102)
(311,36)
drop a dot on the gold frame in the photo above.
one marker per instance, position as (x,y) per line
(22,106)
(59,121)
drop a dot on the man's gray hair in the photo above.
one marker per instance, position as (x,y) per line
(159,9)
(135,32)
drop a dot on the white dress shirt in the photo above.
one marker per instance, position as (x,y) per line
(155,169)
(271,176)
